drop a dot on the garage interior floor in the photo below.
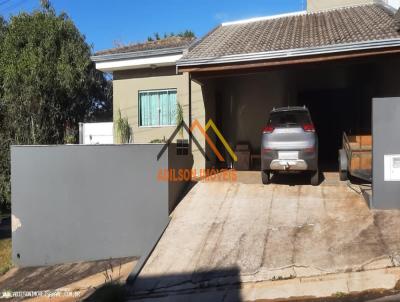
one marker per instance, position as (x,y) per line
(228,232)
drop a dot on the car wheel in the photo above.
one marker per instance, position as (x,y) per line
(266,177)
(315,178)
(343,176)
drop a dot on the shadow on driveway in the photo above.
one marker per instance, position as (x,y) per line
(221,284)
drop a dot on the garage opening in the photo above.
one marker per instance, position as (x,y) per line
(335,112)
(338,95)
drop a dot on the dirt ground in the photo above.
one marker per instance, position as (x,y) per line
(246,232)
(83,277)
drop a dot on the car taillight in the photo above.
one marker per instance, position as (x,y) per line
(308,128)
(268,129)
(266,150)
(310,150)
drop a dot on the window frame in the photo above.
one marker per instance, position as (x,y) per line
(182,147)
(139,106)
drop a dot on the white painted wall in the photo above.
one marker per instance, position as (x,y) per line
(96,133)
(394,3)
(317,5)
(159,61)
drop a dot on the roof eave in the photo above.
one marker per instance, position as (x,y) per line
(138,54)
(290,53)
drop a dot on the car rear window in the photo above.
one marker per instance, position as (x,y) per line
(289,118)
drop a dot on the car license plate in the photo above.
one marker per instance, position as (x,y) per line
(288,155)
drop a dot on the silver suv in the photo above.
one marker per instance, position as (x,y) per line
(289,143)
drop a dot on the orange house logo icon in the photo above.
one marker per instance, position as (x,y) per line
(196,125)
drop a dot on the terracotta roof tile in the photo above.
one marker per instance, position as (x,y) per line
(308,30)
(170,42)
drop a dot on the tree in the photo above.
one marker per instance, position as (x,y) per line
(4,134)
(187,34)
(49,79)
(101,109)
(3,26)
(49,82)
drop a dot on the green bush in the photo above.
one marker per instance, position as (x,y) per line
(123,129)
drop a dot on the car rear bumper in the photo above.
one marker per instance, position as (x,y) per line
(288,165)
(306,161)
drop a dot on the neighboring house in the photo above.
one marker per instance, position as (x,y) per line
(147,88)
(334,61)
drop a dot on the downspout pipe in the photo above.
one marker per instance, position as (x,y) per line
(190,108)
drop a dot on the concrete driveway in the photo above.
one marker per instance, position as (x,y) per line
(225,233)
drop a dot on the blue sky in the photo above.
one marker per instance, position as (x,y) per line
(104,22)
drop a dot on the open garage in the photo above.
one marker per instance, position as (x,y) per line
(338,95)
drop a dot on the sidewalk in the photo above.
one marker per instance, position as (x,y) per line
(335,287)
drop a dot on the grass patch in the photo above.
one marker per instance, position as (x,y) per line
(339,295)
(5,255)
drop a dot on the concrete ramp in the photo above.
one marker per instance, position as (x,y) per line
(226,233)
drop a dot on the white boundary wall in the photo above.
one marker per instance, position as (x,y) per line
(96,133)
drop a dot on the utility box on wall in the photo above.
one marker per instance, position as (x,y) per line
(386,153)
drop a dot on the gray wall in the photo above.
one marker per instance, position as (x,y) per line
(385,131)
(75,203)
(177,188)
